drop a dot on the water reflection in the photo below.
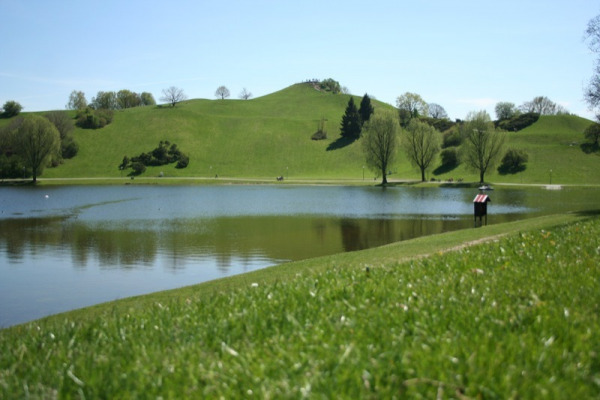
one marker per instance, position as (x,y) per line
(68,247)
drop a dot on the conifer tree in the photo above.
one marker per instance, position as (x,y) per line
(351,125)
(366,109)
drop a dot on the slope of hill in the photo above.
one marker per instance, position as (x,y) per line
(263,137)
(271,136)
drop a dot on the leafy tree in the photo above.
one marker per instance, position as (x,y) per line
(105,101)
(421,143)
(245,94)
(513,161)
(64,124)
(36,140)
(62,121)
(380,142)
(77,100)
(222,92)
(505,110)
(366,109)
(11,108)
(411,105)
(436,111)
(592,134)
(173,95)
(482,144)
(351,125)
(147,99)
(128,99)
(330,85)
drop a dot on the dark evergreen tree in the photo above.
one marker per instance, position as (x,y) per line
(351,125)
(366,109)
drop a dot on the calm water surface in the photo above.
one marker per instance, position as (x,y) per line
(69,247)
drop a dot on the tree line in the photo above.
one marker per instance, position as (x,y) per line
(424,133)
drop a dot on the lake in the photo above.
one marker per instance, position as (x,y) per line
(68,247)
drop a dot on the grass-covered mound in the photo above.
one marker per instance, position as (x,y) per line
(271,136)
(513,318)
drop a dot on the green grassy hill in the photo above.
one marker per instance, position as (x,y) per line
(263,137)
(271,136)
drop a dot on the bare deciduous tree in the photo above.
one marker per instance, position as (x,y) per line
(437,111)
(173,95)
(245,94)
(222,92)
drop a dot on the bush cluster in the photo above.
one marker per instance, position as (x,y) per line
(89,118)
(518,122)
(513,161)
(449,157)
(165,153)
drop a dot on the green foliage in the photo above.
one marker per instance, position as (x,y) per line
(440,124)
(94,119)
(64,123)
(592,134)
(36,141)
(411,105)
(452,137)
(147,99)
(165,153)
(421,144)
(519,121)
(68,147)
(380,143)
(11,108)
(351,123)
(366,109)
(513,318)
(483,143)
(514,161)
(138,168)
(77,100)
(13,167)
(505,110)
(330,85)
(450,157)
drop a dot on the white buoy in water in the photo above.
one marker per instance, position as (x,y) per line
(46,196)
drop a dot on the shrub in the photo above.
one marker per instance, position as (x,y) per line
(513,161)
(449,157)
(330,85)
(519,122)
(138,168)
(452,138)
(183,162)
(441,124)
(68,148)
(11,108)
(94,119)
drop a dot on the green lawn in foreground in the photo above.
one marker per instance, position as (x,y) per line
(512,318)
(270,136)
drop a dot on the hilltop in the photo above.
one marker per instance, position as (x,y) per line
(270,136)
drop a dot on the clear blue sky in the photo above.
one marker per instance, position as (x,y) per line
(464,55)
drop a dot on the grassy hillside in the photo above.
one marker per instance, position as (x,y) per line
(271,136)
(262,137)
